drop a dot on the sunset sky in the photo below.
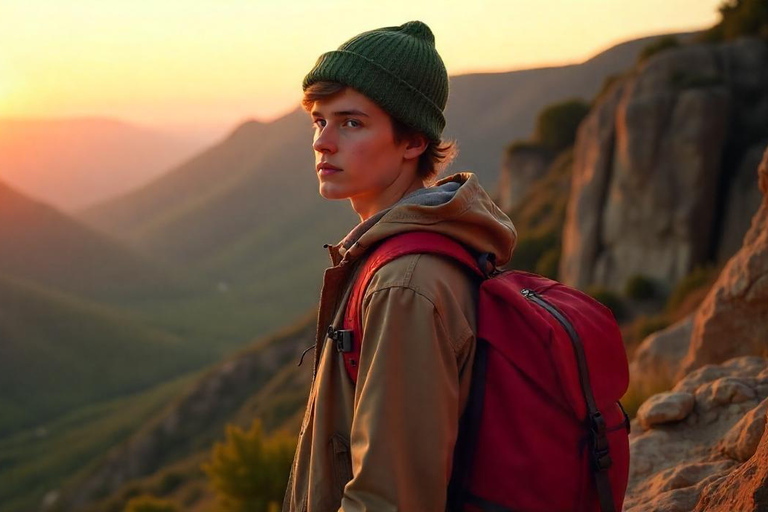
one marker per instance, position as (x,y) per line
(209,64)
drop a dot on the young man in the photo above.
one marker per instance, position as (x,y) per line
(386,442)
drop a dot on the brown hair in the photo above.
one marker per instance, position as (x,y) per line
(432,161)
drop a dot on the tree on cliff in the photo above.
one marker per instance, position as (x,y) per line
(249,471)
(740,18)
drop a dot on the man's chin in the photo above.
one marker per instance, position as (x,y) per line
(328,191)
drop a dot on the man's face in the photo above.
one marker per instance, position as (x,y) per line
(354,134)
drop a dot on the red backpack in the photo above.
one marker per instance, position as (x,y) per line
(543,429)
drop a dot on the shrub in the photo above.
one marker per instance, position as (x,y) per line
(739,18)
(609,299)
(548,263)
(557,124)
(519,146)
(657,46)
(530,249)
(170,481)
(147,503)
(644,326)
(640,287)
(698,278)
(248,471)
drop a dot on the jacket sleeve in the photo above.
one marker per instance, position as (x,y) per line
(407,404)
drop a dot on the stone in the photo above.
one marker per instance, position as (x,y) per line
(665,408)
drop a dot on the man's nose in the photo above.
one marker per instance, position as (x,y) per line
(325,141)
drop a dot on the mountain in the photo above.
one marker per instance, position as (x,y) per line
(262,380)
(44,245)
(72,163)
(60,351)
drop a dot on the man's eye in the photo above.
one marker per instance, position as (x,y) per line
(317,122)
(355,122)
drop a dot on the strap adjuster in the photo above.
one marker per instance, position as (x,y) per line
(601,459)
(342,337)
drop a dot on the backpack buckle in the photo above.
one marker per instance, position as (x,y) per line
(342,337)
(601,459)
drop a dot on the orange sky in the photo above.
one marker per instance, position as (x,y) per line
(209,64)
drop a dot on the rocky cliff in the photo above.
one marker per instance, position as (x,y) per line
(660,161)
(702,445)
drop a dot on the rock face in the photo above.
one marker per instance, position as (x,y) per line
(743,201)
(745,489)
(687,440)
(521,168)
(648,164)
(733,319)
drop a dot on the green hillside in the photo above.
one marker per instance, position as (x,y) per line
(261,381)
(59,352)
(36,462)
(46,246)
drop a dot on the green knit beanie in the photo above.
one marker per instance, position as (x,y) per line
(396,67)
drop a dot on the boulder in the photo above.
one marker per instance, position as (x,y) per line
(665,408)
(656,361)
(696,435)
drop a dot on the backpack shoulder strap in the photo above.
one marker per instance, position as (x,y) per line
(391,248)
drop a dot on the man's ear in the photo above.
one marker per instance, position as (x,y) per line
(417,144)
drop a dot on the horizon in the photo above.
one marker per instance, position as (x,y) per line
(154,68)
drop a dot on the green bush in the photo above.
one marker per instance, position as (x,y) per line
(557,124)
(530,249)
(526,146)
(609,299)
(640,288)
(644,326)
(249,471)
(170,481)
(548,263)
(146,503)
(698,278)
(659,45)
(739,18)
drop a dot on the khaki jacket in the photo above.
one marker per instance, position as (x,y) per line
(387,443)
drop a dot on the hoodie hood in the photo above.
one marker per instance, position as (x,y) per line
(456,206)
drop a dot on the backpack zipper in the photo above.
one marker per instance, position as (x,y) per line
(596,421)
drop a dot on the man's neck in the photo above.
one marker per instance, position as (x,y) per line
(366,208)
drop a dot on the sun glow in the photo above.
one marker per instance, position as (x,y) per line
(208,61)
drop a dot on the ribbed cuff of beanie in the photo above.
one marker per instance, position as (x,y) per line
(400,99)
